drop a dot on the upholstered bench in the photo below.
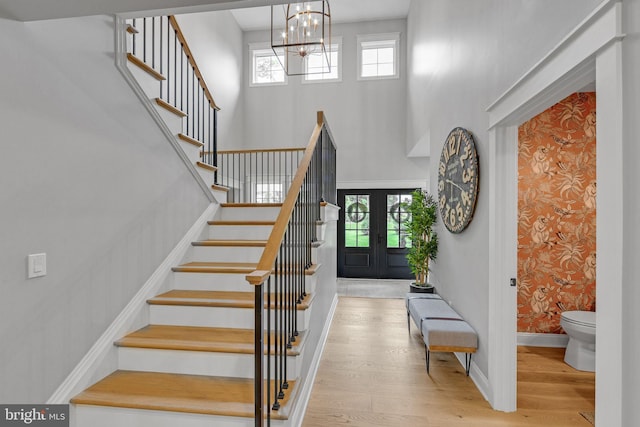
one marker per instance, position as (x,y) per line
(442,328)
(449,335)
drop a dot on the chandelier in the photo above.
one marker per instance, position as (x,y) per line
(301,36)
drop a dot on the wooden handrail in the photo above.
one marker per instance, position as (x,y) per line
(264,150)
(192,61)
(268,258)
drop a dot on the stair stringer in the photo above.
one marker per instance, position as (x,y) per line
(121,65)
(102,358)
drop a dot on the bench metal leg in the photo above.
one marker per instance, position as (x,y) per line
(427,353)
(408,322)
(467,361)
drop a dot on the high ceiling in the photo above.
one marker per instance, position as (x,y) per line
(258,18)
(342,10)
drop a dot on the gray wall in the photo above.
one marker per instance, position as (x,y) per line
(463,54)
(86,177)
(367,118)
(631,196)
(215,39)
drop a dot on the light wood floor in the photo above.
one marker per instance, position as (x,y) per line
(373,373)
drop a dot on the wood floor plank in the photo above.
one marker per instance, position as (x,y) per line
(370,355)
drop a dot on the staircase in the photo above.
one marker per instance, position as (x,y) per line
(194,361)
(247,285)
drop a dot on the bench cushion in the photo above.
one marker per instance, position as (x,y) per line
(420,309)
(413,295)
(449,333)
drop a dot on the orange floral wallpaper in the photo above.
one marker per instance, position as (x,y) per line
(557,213)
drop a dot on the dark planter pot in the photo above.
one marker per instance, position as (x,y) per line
(427,289)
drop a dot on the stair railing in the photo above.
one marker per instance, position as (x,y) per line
(258,176)
(279,277)
(159,42)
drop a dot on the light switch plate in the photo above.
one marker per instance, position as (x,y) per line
(36,265)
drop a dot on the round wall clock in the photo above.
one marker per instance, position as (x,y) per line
(458,176)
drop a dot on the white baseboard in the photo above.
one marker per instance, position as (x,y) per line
(477,376)
(83,374)
(305,394)
(542,340)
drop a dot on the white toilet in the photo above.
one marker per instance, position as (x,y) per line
(581,328)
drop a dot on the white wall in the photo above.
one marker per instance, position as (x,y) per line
(631,199)
(367,118)
(463,54)
(215,39)
(88,178)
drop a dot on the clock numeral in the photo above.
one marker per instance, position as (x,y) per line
(466,155)
(460,212)
(452,216)
(466,200)
(443,201)
(443,168)
(440,186)
(467,175)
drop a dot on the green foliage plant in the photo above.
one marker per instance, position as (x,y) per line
(423,215)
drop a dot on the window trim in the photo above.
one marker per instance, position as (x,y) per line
(262,48)
(335,41)
(385,37)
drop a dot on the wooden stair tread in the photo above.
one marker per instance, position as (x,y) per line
(216,267)
(195,338)
(218,187)
(242,223)
(196,394)
(164,104)
(251,205)
(145,67)
(192,141)
(228,268)
(215,299)
(206,166)
(234,243)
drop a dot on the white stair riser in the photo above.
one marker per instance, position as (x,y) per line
(173,122)
(223,282)
(149,84)
(220,196)
(211,282)
(197,362)
(192,152)
(208,176)
(105,416)
(246,232)
(249,214)
(226,253)
(216,317)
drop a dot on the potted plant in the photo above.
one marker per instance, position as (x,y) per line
(423,214)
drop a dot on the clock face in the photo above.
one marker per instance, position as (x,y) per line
(458,180)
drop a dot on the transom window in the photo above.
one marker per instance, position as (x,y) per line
(378,56)
(266,69)
(316,66)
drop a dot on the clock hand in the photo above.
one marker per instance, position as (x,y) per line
(454,184)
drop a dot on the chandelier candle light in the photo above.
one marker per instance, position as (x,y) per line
(300,31)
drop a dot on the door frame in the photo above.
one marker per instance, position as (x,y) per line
(591,52)
(378,250)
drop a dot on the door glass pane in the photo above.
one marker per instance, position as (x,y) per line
(396,216)
(356,221)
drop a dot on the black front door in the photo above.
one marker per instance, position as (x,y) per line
(371,236)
